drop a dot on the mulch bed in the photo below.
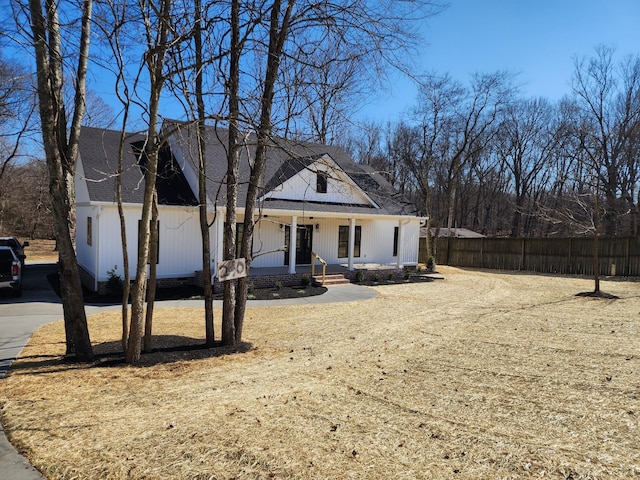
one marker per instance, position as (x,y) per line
(191,292)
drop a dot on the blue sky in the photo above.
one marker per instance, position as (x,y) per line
(538,39)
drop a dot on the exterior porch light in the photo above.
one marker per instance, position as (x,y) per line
(317,227)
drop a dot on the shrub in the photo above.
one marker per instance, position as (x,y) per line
(305,281)
(278,285)
(359,276)
(431,264)
(115,285)
(250,288)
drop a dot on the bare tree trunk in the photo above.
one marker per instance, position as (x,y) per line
(278,33)
(61,155)
(202,184)
(596,248)
(158,44)
(126,283)
(428,245)
(233,155)
(139,288)
(151,286)
(452,205)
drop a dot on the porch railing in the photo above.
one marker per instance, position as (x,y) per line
(314,257)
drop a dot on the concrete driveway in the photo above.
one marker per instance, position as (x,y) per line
(19,318)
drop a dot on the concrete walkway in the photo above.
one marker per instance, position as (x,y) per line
(39,305)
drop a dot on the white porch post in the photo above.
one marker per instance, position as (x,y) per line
(352,241)
(292,244)
(219,236)
(400,243)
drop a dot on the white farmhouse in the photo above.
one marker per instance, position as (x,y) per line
(343,212)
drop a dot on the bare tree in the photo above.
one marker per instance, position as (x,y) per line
(233,158)
(526,143)
(25,205)
(17,111)
(157,21)
(111,20)
(326,86)
(60,142)
(198,35)
(606,97)
(459,123)
(278,32)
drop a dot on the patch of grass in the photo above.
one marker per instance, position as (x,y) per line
(40,250)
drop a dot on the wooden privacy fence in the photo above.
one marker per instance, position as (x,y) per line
(618,256)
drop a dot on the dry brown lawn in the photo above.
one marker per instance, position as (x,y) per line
(40,250)
(482,375)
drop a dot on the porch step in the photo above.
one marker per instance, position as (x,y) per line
(330,279)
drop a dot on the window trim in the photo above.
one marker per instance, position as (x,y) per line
(396,235)
(343,245)
(322,181)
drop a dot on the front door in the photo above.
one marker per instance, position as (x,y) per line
(304,242)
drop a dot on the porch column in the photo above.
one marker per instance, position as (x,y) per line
(352,241)
(219,239)
(400,243)
(293,229)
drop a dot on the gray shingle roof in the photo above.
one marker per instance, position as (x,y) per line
(98,150)
(99,155)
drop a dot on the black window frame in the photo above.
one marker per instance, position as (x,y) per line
(343,243)
(322,181)
(396,232)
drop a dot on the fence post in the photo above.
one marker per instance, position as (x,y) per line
(627,259)
(570,261)
(522,249)
(448,250)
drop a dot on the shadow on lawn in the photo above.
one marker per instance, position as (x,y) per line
(166,349)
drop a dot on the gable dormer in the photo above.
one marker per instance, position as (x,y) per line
(317,179)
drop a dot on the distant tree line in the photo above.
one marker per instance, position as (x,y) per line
(25,207)
(483,157)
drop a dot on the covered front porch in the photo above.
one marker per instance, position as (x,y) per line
(271,276)
(330,268)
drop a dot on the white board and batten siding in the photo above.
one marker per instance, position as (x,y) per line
(181,246)
(377,239)
(179,238)
(302,186)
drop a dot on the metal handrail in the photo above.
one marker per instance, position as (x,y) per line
(314,257)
